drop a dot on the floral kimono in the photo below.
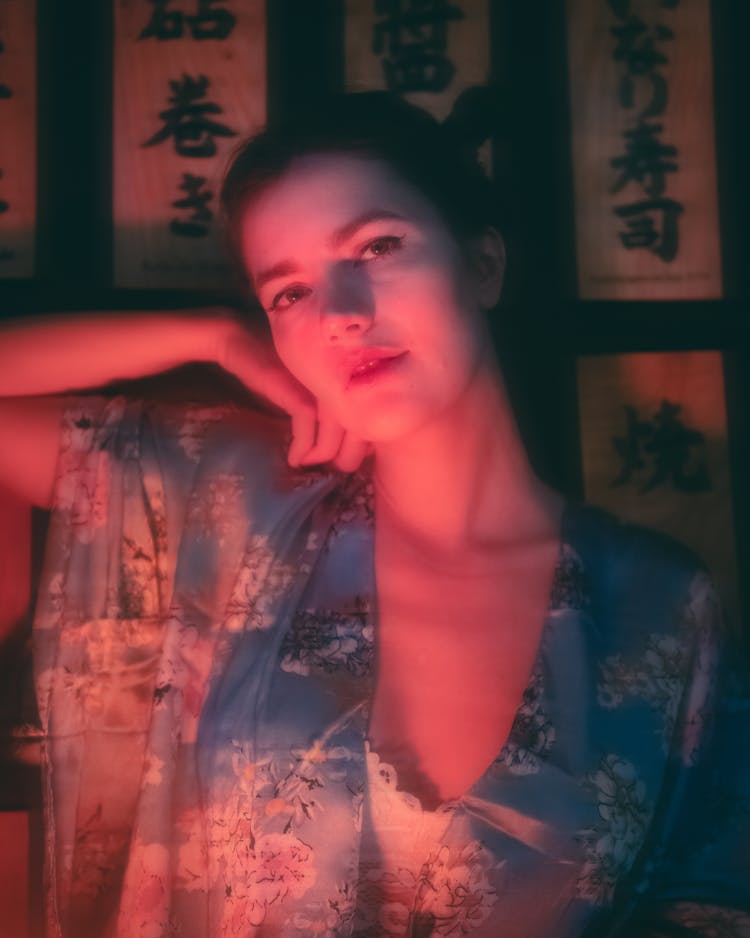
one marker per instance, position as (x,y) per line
(204,641)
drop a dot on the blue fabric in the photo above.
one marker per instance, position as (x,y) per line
(205,636)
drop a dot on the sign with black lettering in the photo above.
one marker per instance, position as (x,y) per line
(655,451)
(643,149)
(190,83)
(17,137)
(427,50)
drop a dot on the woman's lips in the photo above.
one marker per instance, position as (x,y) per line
(370,371)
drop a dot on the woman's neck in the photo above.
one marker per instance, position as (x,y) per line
(462,484)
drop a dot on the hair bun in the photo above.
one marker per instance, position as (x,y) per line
(474,118)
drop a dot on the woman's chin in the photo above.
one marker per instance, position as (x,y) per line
(388,425)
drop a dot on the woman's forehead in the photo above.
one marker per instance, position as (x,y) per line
(320,195)
(335,184)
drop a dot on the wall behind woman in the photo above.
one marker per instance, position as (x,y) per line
(559,352)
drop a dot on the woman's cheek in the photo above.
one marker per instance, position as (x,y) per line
(289,357)
(303,364)
(287,330)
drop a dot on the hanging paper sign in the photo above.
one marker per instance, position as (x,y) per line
(427,51)
(654,449)
(190,83)
(644,164)
(18,137)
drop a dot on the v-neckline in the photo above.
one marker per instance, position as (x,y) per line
(563,539)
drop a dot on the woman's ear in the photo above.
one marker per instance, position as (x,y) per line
(486,255)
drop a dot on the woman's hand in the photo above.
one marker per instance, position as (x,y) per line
(316,437)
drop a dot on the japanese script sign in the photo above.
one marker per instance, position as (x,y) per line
(190,83)
(208,20)
(662,448)
(643,149)
(428,50)
(17,137)
(655,451)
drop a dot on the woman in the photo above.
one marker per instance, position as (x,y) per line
(422,698)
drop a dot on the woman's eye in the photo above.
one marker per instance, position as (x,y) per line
(380,247)
(289,297)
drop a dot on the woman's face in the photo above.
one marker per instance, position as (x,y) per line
(372,304)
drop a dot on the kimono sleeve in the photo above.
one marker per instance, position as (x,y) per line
(694,875)
(124,475)
(125,472)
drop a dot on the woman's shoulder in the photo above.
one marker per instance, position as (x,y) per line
(639,581)
(614,549)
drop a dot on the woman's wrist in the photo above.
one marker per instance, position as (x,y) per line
(56,354)
(222,332)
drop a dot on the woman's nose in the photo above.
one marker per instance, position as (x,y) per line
(349,305)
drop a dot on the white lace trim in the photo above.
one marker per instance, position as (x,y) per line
(401,834)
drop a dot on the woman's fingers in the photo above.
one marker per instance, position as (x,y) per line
(316,437)
(352,452)
(327,442)
(333,444)
(304,423)
(253,359)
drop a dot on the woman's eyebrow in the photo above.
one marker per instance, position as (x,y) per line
(282,269)
(346,231)
(340,235)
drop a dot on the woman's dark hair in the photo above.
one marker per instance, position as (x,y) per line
(440,160)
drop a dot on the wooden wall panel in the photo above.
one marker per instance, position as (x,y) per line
(644,167)
(17,137)
(429,52)
(655,451)
(189,84)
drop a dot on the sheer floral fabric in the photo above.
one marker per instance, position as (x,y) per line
(204,641)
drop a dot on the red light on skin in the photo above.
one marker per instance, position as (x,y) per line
(368,268)
(376,370)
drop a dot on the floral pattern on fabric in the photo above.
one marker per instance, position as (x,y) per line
(532,734)
(326,919)
(416,887)
(656,671)
(570,589)
(249,606)
(100,855)
(324,640)
(457,895)
(624,814)
(194,421)
(204,646)
(656,675)
(83,474)
(710,922)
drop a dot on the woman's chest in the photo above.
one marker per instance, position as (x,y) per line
(453,658)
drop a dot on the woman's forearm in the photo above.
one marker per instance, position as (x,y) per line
(53,355)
